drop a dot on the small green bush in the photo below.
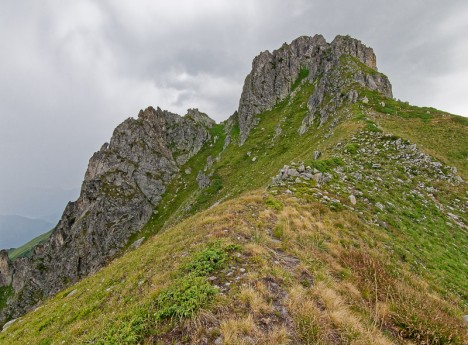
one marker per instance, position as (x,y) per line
(184,297)
(326,165)
(206,261)
(352,148)
(187,294)
(274,204)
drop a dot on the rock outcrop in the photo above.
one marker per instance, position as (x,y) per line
(274,74)
(124,182)
(5,268)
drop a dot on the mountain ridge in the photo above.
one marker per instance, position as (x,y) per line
(161,168)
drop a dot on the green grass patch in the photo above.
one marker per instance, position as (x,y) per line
(5,293)
(372,127)
(130,330)
(207,261)
(303,73)
(401,109)
(326,165)
(352,148)
(184,297)
(273,203)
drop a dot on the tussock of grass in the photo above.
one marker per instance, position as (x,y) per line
(184,297)
(273,203)
(239,330)
(326,165)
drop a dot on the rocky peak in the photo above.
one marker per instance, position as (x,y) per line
(200,117)
(274,74)
(124,182)
(355,48)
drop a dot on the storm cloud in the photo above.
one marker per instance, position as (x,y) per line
(70,71)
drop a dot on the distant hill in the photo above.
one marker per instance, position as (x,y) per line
(17,230)
(26,249)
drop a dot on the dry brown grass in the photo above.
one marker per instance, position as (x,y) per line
(239,330)
(253,299)
(327,280)
(402,303)
(389,298)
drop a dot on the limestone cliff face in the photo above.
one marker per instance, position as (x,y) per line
(124,182)
(274,73)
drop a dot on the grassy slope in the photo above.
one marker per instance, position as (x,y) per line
(26,248)
(438,133)
(312,275)
(299,273)
(236,171)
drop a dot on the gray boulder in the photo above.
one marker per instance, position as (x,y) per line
(293,172)
(203,180)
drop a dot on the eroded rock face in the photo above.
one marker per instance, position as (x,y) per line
(124,182)
(339,89)
(186,135)
(5,269)
(274,74)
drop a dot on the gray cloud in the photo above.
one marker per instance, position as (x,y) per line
(71,71)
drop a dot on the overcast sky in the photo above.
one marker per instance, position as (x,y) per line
(70,71)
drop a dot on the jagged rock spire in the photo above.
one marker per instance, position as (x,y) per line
(274,73)
(124,182)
